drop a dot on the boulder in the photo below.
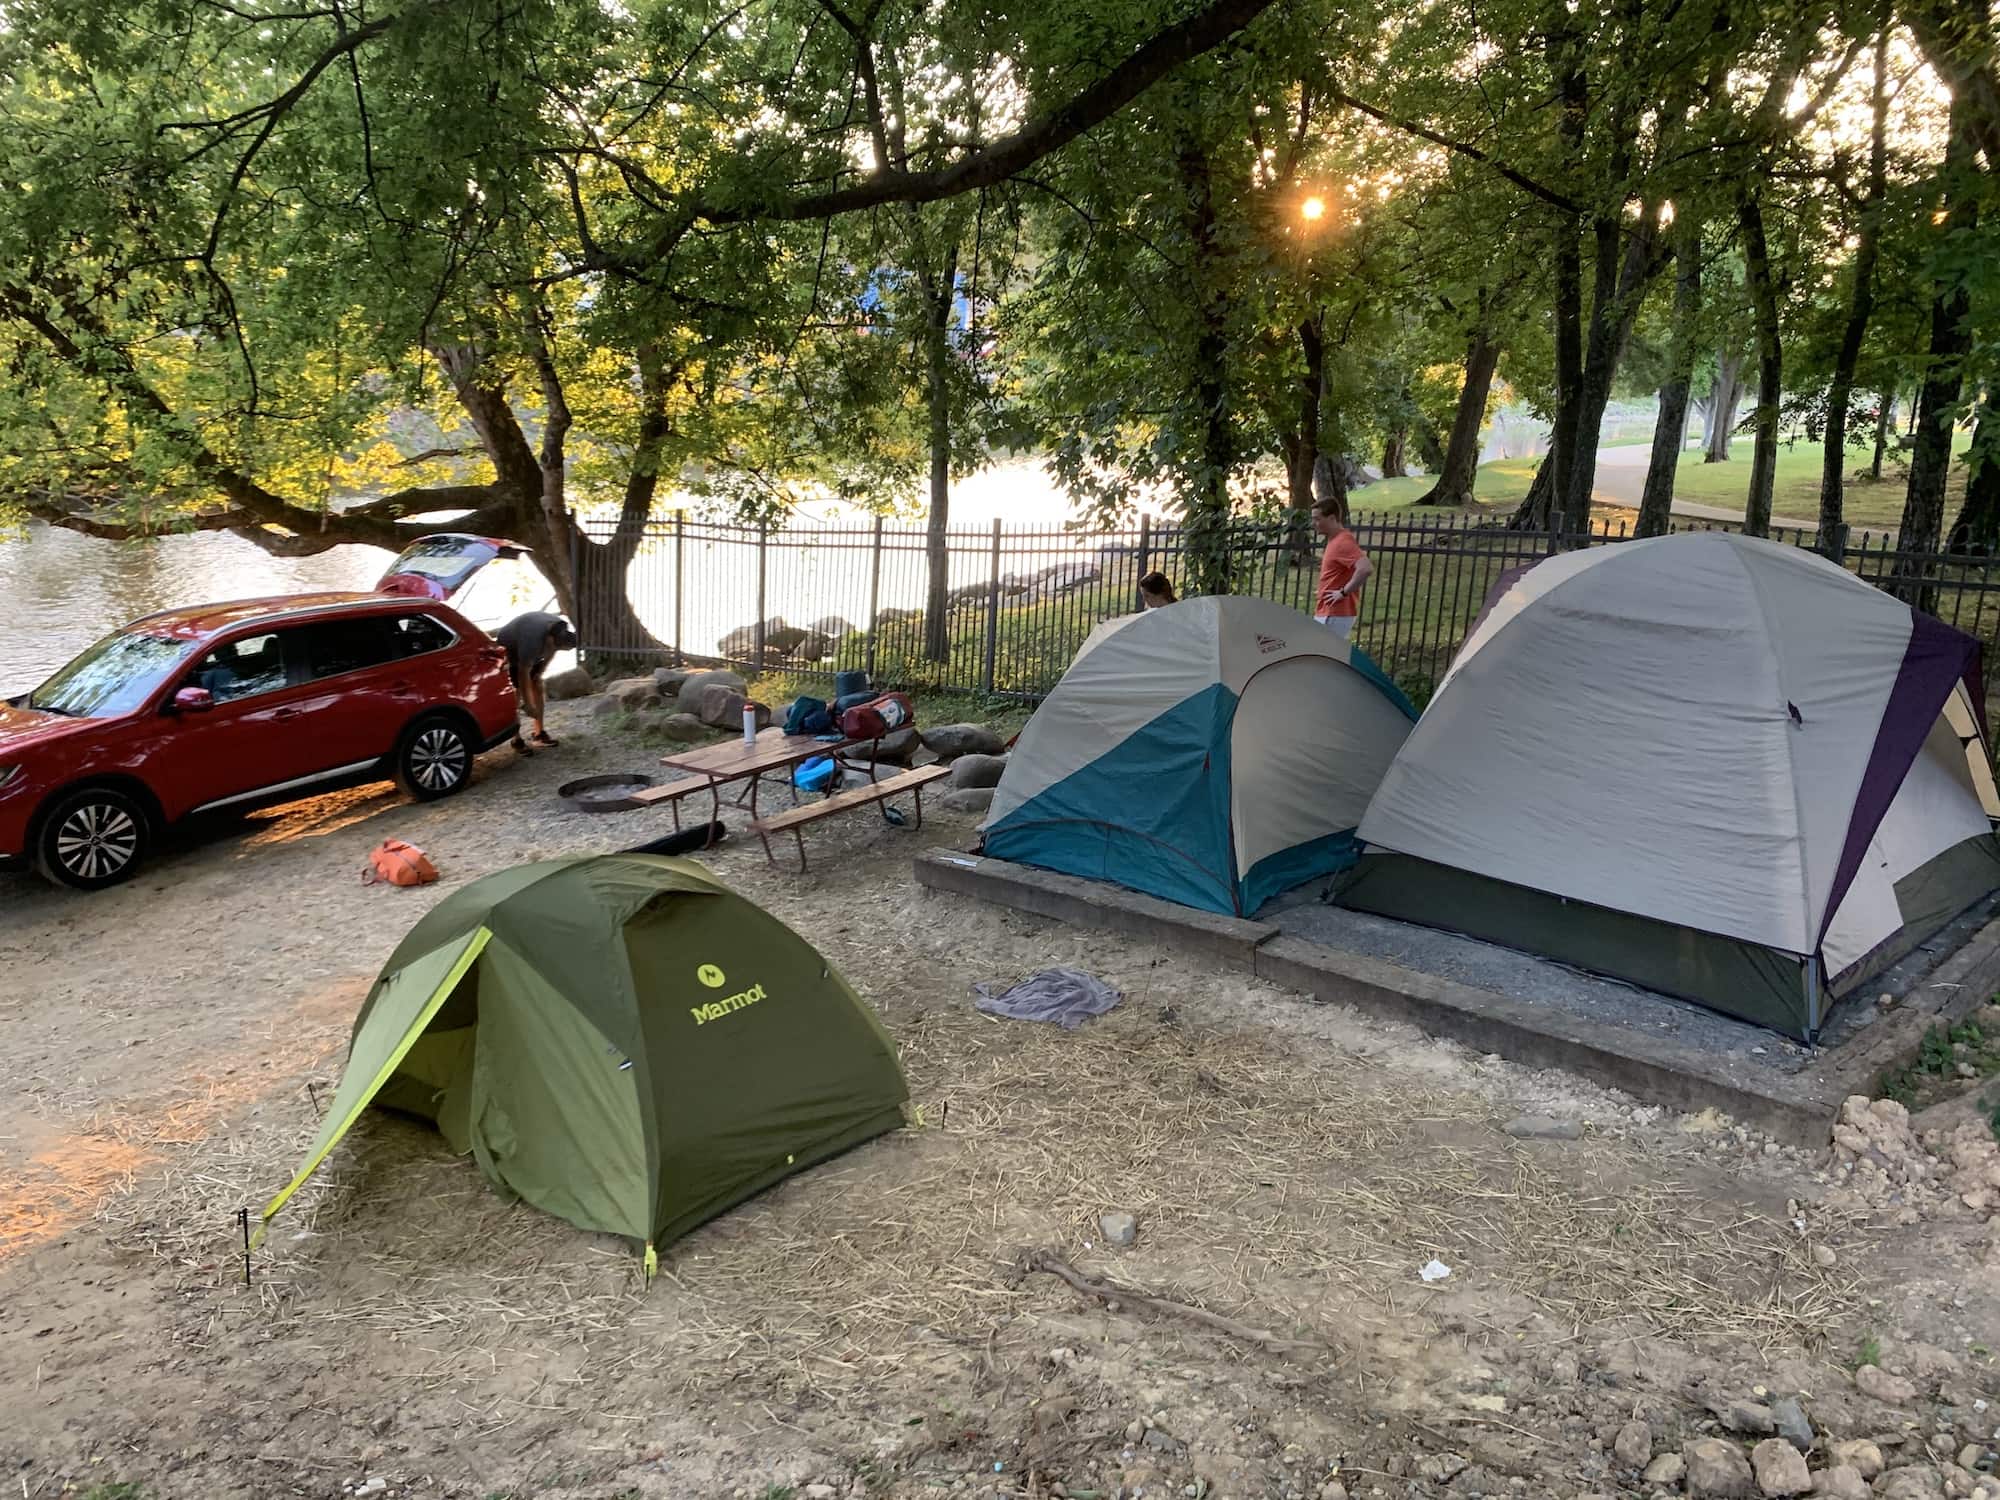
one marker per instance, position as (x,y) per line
(1793,1425)
(832,625)
(1873,1380)
(607,707)
(949,741)
(1633,1447)
(1780,1468)
(680,728)
(1914,1482)
(671,679)
(897,746)
(1858,1454)
(813,646)
(692,684)
(1717,1470)
(897,616)
(1666,1470)
(1542,1128)
(633,692)
(1841,1482)
(742,641)
(971,799)
(573,683)
(977,770)
(723,707)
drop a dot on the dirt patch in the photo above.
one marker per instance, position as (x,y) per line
(877,1326)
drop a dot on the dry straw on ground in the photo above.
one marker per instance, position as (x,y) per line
(1277,1184)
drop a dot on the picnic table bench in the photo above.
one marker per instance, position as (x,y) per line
(793,820)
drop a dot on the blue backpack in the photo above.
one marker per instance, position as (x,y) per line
(808,716)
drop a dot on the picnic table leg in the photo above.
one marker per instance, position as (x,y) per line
(714,810)
(917,792)
(766,839)
(800,835)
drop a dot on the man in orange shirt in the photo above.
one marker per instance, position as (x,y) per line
(1343,568)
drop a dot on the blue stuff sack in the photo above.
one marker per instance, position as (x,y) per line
(808,716)
(820,774)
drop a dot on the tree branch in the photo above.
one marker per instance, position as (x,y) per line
(1465,149)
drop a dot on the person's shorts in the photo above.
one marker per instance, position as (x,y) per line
(1340,625)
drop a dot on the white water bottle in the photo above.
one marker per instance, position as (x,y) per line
(749,723)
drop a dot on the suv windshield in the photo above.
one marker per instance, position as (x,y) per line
(113,677)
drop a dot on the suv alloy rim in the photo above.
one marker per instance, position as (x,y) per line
(96,840)
(437,759)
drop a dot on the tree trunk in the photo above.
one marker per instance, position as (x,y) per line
(1569,371)
(1206,498)
(1860,305)
(1537,508)
(1430,451)
(1977,530)
(1885,422)
(1302,444)
(937,534)
(1393,464)
(1770,365)
(1459,466)
(1722,399)
(1656,502)
(1951,341)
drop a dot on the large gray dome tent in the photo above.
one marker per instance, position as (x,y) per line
(1715,766)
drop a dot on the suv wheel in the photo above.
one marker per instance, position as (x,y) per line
(434,759)
(91,839)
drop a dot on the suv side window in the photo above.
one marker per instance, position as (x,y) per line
(334,647)
(417,634)
(242,668)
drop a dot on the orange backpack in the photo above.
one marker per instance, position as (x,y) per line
(394,862)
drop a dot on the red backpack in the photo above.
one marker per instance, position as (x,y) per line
(876,717)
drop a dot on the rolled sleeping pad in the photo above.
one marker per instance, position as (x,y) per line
(847,684)
(686,841)
(853,700)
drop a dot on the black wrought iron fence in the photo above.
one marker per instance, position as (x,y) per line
(1019,602)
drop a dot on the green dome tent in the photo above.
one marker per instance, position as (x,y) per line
(619,1040)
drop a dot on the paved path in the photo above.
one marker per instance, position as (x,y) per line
(1621,479)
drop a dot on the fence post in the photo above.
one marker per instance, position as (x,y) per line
(992,613)
(874,598)
(585,628)
(680,580)
(763,547)
(1836,545)
(1145,558)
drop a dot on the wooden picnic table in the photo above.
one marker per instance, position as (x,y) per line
(716,766)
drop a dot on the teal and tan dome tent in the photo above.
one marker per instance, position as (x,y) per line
(621,1041)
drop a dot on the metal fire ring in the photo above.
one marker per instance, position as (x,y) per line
(605,794)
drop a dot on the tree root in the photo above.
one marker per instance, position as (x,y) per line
(1106,1291)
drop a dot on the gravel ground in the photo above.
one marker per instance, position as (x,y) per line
(936,1313)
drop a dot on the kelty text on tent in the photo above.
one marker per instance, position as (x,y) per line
(715,1011)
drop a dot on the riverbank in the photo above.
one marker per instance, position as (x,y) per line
(896,1323)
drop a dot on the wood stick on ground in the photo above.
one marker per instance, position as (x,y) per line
(1110,1291)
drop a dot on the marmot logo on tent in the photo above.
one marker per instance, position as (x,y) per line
(1269,643)
(716,1010)
(711,976)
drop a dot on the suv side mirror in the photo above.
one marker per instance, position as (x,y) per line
(192,700)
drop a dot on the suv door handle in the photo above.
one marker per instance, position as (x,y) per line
(290,711)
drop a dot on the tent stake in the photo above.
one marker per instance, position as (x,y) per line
(243,1218)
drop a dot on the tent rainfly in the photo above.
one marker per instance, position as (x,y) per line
(1214,752)
(1719,767)
(619,1040)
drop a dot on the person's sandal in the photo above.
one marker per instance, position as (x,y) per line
(543,737)
(520,745)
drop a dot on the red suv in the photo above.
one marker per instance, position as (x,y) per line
(241,705)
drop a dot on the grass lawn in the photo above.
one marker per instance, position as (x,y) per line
(1795,488)
(1502,482)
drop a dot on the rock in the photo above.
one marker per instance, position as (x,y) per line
(1793,1426)
(977,770)
(897,746)
(970,799)
(1957,1482)
(742,641)
(1873,1380)
(1752,1418)
(1134,1430)
(1970,1455)
(671,679)
(1666,1470)
(1118,1228)
(1824,1258)
(949,741)
(1333,1489)
(633,692)
(813,646)
(1914,1482)
(1441,1468)
(1633,1447)
(819,1492)
(1162,1441)
(1717,1470)
(693,683)
(681,728)
(1780,1468)
(1841,1482)
(722,707)
(1858,1454)
(561,687)
(1542,1128)
(833,625)
(604,708)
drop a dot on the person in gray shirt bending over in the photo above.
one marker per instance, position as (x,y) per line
(532,640)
